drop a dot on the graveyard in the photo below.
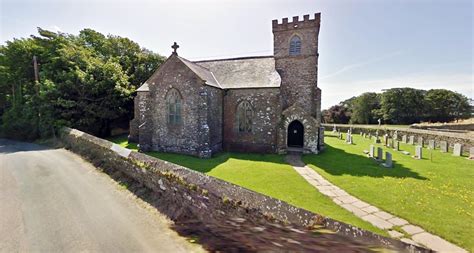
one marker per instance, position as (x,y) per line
(434,192)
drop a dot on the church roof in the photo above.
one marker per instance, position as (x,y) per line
(247,72)
(202,72)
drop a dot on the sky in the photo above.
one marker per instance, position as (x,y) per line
(364,45)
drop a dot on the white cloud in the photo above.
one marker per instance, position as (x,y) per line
(361,64)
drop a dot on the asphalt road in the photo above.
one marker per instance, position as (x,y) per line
(53,201)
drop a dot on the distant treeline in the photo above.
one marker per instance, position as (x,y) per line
(400,106)
(86,81)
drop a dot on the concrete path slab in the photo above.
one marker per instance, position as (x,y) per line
(370,213)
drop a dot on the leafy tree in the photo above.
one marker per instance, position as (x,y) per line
(445,105)
(403,105)
(86,81)
(338,114)
(364,108)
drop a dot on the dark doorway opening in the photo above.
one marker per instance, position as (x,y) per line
(295,134)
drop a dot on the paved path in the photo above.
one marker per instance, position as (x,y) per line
(370,213)
(53,201)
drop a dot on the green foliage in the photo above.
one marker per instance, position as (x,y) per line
(400,106)
(86,81)
(364,108)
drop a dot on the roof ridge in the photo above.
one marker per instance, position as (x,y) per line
(235,58)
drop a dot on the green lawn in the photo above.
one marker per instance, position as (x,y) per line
(436,193)
(266,174)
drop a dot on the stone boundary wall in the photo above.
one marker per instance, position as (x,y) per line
(466,140)
(449,126)
(193,193)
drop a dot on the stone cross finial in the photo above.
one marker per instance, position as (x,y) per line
(175,47)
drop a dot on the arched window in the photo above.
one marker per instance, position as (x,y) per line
(295,45)
(173,103)
(244,117)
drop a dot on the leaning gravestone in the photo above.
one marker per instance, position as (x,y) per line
(396,145)
(457,150)
(431,144)
(420,141)
(412,140)
(388,160)
(418,152)
(379,154)
(404,139)
(471,153)
(371,151)
(443,145)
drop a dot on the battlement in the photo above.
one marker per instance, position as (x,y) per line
(297,23)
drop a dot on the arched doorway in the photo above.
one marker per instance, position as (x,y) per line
(295,134)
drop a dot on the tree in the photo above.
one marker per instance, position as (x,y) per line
(86,81)
(445,105)
(364,108)
(403,105)
(338,114)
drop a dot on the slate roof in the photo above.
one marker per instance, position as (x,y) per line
(247,72)
(234,73)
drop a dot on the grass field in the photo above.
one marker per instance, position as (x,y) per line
(436,192)
(266,174)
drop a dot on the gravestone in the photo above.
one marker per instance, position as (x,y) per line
(443,145)
(431,144)
(334,129)
(471,153)
(371,151)
(349,141)
(370,136)
(388,160)
(396,145)
(412,140)
(418,152)
(395,135)
(385,140)
(420,141)
(340,136)
(377,139)
(404,139)
(457,150)
(379,154)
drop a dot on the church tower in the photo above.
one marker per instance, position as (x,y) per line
(296,60)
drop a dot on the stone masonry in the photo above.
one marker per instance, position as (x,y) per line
(250,104)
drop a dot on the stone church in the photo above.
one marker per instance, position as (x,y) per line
(266,104)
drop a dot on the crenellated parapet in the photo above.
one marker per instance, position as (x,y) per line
(296,23)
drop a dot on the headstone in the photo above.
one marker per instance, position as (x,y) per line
(457,150)
(396,145)
(334,129)
(377,139)
(471,153)
(388,160)
(371,151)
(385,140)
(443,145)
(418,152)
(350,139)
(404,139)
(379,154)
(360,133)
(395,135)
(431,144)
(412,140)
(420,141)
(370,136)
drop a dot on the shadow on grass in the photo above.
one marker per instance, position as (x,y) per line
(336,161)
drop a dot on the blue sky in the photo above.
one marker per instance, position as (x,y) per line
(365,45)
